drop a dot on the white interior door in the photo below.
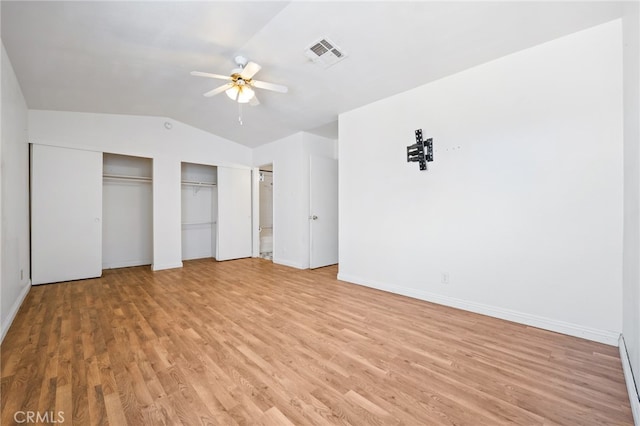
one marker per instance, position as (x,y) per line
(323,211)
(66,214)
(234,214)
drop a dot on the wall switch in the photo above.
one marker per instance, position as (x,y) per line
(21,274)
(445,278)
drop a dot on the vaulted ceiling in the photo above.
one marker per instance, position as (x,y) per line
(135,57)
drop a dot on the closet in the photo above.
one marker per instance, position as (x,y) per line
(199,210)
(127,211)
(91,211)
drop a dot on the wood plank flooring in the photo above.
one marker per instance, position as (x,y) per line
(250,342)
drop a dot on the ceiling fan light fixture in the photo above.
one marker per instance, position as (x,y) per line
(241,94)
(246,94)
(240,84)
(232,92)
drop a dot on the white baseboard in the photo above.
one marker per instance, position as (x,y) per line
(597,335)
(199,256)
(161,267)
(290,263)
(14,310)
(126,264)
(634,398)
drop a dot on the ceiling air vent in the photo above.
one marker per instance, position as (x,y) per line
(325,53)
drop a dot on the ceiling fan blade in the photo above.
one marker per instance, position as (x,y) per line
(269,86)
(250,70)
(207,74)
(254,101)
(218,89)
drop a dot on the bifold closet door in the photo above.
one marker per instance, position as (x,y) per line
(66,214)
(234,214)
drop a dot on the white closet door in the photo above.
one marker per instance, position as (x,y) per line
(66,214)
(234,214)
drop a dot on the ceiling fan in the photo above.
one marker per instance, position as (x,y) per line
(241,83)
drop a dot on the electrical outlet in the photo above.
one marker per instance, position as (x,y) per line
(445,278)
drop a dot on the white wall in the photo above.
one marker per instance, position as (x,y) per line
(290,159)
(14,159)
(631,270)
(3,327)
(522,206)
(143,137)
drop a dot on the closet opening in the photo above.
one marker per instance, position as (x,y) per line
(265,226)
(199,211)
(127,211)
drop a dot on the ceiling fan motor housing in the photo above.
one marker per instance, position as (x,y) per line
(241,62)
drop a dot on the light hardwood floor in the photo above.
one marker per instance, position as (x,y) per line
(250,342)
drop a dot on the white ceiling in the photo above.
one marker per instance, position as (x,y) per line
(135,57)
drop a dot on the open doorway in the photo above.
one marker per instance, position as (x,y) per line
(265,225)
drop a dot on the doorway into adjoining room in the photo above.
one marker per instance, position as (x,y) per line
(265,226)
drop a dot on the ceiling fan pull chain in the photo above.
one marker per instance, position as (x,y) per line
(240,113)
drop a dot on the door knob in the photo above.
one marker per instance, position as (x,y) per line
(314,217)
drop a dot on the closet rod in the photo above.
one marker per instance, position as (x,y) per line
(197,223)
(126,177)
(193,183)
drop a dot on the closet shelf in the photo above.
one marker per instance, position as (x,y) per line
(197,223)
(126,177)
(194,183)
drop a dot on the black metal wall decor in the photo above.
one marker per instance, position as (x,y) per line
(421,151)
